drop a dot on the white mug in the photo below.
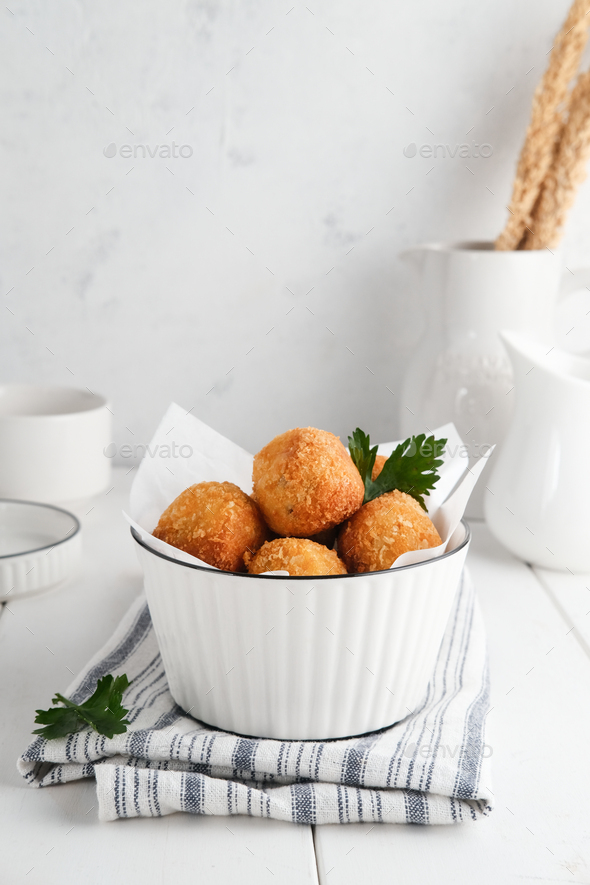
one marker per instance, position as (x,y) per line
(51,443)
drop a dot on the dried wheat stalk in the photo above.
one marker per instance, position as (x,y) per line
(567,172)
(546,124)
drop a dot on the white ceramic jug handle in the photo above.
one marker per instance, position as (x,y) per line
(573,280)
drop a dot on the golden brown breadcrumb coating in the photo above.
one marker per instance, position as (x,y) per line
(378,466)
(306,482)
(215,521)
(382,530)
(298,556)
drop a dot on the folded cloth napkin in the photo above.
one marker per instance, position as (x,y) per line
(431,768)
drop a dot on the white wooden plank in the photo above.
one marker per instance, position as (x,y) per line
(540,829)
(53,835)
(571,594)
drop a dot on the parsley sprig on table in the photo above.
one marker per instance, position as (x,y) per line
(103,711)
(411,467)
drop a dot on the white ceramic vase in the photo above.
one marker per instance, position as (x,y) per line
(461,372)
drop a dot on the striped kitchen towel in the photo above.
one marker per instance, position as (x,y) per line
(431,768)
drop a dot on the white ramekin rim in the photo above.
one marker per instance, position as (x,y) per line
(64,540)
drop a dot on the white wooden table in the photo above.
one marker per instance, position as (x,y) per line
(538,729)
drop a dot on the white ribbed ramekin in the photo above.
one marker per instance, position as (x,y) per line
(40,546)
(300,658)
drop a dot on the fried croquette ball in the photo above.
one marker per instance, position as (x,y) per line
(298,556)
(378,466)
(374,537)
(215,521)
(305,482)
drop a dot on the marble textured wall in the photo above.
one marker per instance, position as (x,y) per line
(254,279)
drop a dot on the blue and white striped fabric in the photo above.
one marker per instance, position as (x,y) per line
(431,768)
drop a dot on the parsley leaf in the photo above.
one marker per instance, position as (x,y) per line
(359,445)
(411,467)
(103,711)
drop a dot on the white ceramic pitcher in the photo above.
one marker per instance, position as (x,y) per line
(460,372)
(538,498)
